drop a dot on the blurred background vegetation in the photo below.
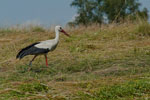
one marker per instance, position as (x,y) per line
(107,11)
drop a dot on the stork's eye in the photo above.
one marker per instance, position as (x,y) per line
(60,28)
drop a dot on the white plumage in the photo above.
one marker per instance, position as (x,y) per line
(49,44)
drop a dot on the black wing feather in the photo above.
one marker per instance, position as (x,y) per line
(31,50)
(26,48)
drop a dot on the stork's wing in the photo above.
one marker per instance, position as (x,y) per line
(31,50)
(49,44)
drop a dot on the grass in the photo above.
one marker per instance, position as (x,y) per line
(96,63)
(144,29)
(130,90)
(37,29)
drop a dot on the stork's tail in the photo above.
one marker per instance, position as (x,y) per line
(21,54)
(26,51)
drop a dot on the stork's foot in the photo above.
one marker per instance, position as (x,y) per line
(30,63)
(46,65)
(29,69)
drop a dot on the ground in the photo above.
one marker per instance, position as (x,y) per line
(108,62)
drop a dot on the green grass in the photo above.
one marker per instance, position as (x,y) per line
(130,90)
(96,63)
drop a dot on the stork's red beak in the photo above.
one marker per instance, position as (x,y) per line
(65,33)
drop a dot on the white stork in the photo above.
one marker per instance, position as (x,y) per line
(41,48)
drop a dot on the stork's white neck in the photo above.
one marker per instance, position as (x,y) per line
(56,35)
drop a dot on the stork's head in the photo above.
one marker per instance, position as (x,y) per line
(60,29)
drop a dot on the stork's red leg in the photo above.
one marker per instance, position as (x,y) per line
(46,60)
(32,60)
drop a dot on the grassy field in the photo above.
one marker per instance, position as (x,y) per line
(111,62)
